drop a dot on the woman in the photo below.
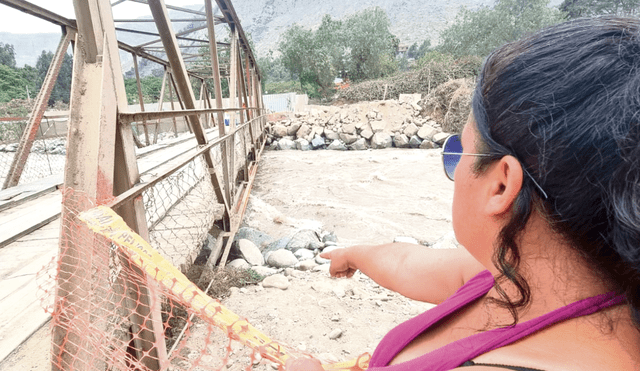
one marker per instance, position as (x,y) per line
(546,204)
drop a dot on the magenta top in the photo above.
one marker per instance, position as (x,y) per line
(456,353)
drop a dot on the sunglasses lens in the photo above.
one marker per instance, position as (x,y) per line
(451,155)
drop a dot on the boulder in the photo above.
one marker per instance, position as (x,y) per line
(348,138)
(377,126)
(239,264)
(367,132)
(304,239)
(330,134)
(329,237)
(276,245)
(427,144)
(250,252)
(293,128)
(349,129)
(410,130)
(286,144)
(381,140)
(415,141)
(401,141)
(440,138)
(337,145)
(427,132)
(359,145)
(303,131)
(277,281)
(282,259)
(259,238)
(303,144)
(317,142)
(304,254)
(279,130)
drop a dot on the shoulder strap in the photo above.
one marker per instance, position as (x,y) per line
(454,354)
(400,336)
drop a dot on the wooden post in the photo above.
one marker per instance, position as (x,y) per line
(140,98)
(29,133)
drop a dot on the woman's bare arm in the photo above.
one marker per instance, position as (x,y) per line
(415,271)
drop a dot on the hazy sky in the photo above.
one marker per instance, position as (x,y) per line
(15,21)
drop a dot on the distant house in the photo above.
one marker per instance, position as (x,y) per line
(402,51)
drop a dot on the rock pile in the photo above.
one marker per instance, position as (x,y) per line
(54,146)
(409,122)
(300,251)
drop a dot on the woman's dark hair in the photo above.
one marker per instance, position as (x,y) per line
(566,103)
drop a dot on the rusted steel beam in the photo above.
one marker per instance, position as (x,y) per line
(181,78)
(140,98)
(215,66)
(185,10)
(176,35)
(138,189)
(160,104)
(177,20)
(242,91)
(29,8)
(34,10)
(100,163)
(231,17)
(153,48)
(29,134)
(129,117)
(170,83)
(233,76)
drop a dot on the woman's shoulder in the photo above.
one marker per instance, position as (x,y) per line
(581,343)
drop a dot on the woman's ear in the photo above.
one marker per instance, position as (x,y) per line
(504,183)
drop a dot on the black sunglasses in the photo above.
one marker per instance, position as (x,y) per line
(452,152)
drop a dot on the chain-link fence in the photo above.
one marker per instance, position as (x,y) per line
(47,155)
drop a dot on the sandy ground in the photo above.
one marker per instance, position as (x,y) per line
(365,197)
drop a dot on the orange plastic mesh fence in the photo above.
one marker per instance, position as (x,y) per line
(120,305)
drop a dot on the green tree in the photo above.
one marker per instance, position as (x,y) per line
(479,32)
(7,55)
(309,58)
(589,8)
(150,86)
(416,51)
(62,88)
(12,85)
(370,44)
(359,47)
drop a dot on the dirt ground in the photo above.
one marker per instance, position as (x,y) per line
(365,197)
